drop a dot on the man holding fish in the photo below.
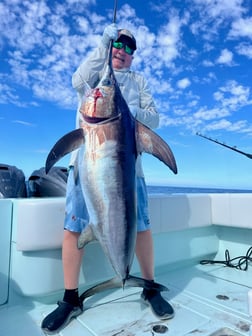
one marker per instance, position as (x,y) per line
(137,95)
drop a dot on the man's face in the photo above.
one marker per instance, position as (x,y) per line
(120,59)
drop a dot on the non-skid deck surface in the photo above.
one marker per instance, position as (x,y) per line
(208,300)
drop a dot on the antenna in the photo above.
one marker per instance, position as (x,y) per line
(234,148)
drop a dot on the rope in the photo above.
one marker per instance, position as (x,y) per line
(240,263)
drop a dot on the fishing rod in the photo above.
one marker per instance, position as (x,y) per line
(224,145)
(115,9)
(109,58)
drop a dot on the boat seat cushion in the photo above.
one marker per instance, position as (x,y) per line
(38,223)
(232,210)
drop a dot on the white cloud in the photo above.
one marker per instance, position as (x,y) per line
(24,123)
(168,41)
(218,125)
(8,95)
(193,103)
(214,15)
(241,28)
(207,63)
(209,114)
(227,125)
(233,95)
(245,50)
(183,83)
(83,24)
(223,8)
(226,57)
(165,120)
(76,2)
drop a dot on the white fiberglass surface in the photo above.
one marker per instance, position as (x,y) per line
(203,303)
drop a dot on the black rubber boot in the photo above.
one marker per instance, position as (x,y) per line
(159,306)
(60,317)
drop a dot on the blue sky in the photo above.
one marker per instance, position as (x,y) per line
(196,55)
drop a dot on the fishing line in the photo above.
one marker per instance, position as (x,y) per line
(240,263)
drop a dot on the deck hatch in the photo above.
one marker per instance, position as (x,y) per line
(160,329)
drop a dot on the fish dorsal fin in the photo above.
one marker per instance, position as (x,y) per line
(150,142)
(86,236)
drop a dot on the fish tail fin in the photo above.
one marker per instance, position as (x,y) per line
(108,284)
(134,281)
(116,282)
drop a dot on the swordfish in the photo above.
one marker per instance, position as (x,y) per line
(110,139)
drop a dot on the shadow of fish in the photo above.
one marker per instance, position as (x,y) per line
(113,139)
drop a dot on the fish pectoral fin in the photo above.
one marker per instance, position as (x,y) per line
(150,142)
(63,146)
(108,284)
(134,281)
(86,236)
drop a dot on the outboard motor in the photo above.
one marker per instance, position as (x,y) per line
(52,184)
(12,182)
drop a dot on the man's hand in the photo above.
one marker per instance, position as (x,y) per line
(110,33)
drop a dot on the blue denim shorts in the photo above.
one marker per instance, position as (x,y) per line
(77,218)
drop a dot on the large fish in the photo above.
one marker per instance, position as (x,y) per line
(112,140)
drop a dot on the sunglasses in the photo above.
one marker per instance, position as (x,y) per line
(121,45)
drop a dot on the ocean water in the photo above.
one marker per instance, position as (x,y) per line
(191,190)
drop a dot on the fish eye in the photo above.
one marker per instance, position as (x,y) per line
(107,82)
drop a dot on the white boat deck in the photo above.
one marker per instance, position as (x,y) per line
(209,300)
